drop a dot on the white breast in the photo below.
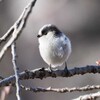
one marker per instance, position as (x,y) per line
(54,51)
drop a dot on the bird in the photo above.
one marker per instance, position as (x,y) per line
(54,46)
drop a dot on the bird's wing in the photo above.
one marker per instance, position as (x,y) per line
(61,47)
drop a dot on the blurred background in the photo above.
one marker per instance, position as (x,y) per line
(79,19)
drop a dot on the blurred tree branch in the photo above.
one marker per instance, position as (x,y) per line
(17,28)
(4,92)
(14,32)
(92,96)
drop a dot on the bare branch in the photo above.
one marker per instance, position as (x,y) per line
(61,90)
(43,73)
(92,96)
(16,29)
(6,35)
(13,51)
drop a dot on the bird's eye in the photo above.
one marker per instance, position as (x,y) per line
(44,32)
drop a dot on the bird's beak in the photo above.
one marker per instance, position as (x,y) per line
(38,36)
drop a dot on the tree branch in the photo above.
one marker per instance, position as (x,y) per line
(13,52)
(61,90)
(43,73)
(16,29)
(92,96)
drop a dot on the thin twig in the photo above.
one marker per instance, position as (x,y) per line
(92,96)
(44,73)
(16,29)
(13,51)
(61,90)
(6,35)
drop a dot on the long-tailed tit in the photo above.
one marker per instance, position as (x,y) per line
(54,45)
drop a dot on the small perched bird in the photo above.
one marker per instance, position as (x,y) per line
(54,45)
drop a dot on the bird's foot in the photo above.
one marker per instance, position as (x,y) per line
(66,66)
(66,69)
(50,68)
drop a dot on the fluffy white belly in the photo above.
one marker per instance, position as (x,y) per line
(54,55)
